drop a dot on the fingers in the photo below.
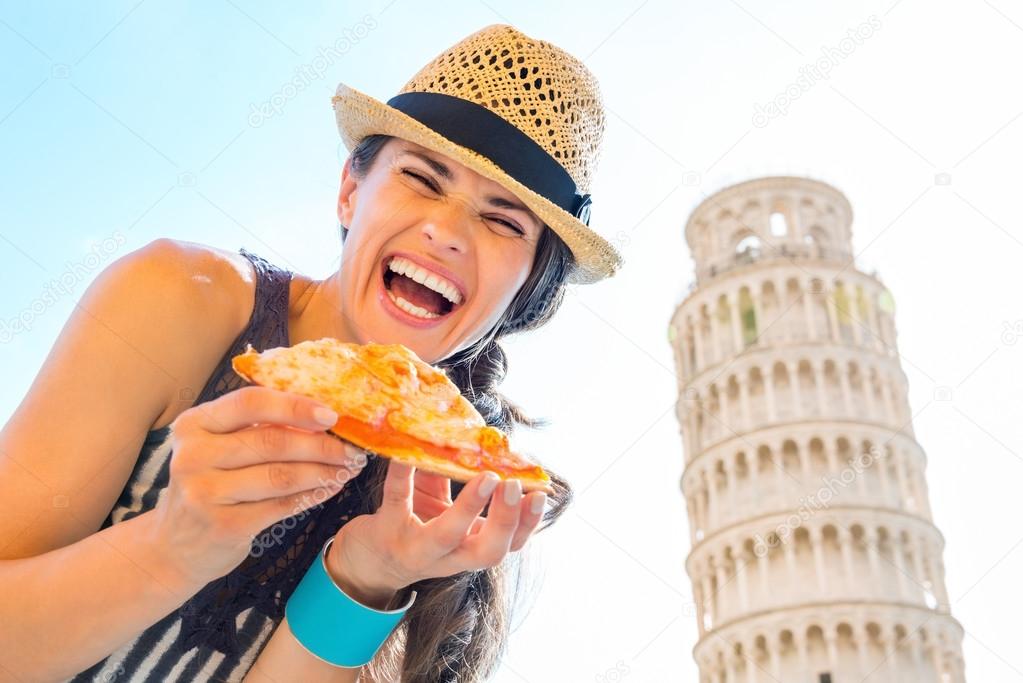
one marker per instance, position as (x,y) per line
(432,495)
(493,541)
(256,516)
(434,485)
(252,405)
(273,443)
(449,529)
(511,520)
(396,499)
(276,479)
(530,514)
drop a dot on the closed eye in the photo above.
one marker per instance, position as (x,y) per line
(433,187)
(429,182)
(508,223)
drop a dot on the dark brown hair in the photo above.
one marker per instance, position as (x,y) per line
(457,629)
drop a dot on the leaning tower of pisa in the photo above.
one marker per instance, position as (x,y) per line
(814,557)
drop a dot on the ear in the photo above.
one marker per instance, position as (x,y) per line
(346,194)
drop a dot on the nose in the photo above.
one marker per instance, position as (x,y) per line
(447,231)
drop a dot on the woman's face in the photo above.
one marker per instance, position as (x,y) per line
(419,214)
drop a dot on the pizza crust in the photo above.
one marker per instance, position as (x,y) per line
(430,404)
(456,472)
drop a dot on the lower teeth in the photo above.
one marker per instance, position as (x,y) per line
(411,308)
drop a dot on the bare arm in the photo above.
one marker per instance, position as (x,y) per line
(284,658)
(89,598)
(67,451)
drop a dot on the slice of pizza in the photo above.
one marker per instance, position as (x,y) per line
(392,403)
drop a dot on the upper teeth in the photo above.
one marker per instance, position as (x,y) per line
(444,287)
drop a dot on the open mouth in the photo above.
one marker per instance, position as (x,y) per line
(419,292)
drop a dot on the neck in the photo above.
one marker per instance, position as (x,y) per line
(314,311)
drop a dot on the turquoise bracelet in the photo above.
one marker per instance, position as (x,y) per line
(333,626)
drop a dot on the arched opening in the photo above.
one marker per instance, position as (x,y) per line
(779,226)
(747,249)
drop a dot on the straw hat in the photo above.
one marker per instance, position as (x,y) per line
(517,110)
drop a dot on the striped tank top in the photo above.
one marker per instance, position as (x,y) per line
(154,654)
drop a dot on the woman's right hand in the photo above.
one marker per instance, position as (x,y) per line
(240,463)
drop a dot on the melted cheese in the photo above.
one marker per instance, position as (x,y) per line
(387,397)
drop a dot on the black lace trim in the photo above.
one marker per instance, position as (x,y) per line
(284,551)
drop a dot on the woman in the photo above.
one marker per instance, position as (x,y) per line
(231,496)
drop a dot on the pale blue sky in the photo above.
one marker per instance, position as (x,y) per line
(128,121)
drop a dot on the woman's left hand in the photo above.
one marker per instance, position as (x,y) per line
(419,532)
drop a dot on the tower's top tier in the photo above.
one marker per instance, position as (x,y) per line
(782,217)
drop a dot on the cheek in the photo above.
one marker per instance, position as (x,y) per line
(502,273)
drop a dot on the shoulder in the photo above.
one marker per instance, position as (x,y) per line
(191,267)
(199,289)
(203,297)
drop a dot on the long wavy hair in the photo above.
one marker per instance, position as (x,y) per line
(457,629)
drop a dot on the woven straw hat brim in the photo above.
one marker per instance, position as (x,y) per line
(359,115)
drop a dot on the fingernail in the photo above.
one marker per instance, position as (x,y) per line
(512,491)
(356,459)
(536,505)
(488,484)
(325,416)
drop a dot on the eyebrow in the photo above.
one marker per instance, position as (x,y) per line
(494,200)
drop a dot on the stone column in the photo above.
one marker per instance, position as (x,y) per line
(712,497)
(715,334)
(797,399)
(811,331)
(900,475)
(845,542)
(830,641)
(772,651)
(733,305)
(900,566)
(816,543)
(706,602)
(747,413)
(694,522)
(888,402)
(862,639)
(918,561)
(698,343)
(722,579)
(854,316)
(881,465)
(741,579)
(870,538)
(726,417)
(843,381)
(804,662)
(732,506)
(763,569)
(818,380)
(829,300)
(698,593)
(890,644)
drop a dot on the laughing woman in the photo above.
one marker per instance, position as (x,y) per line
(198,539)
